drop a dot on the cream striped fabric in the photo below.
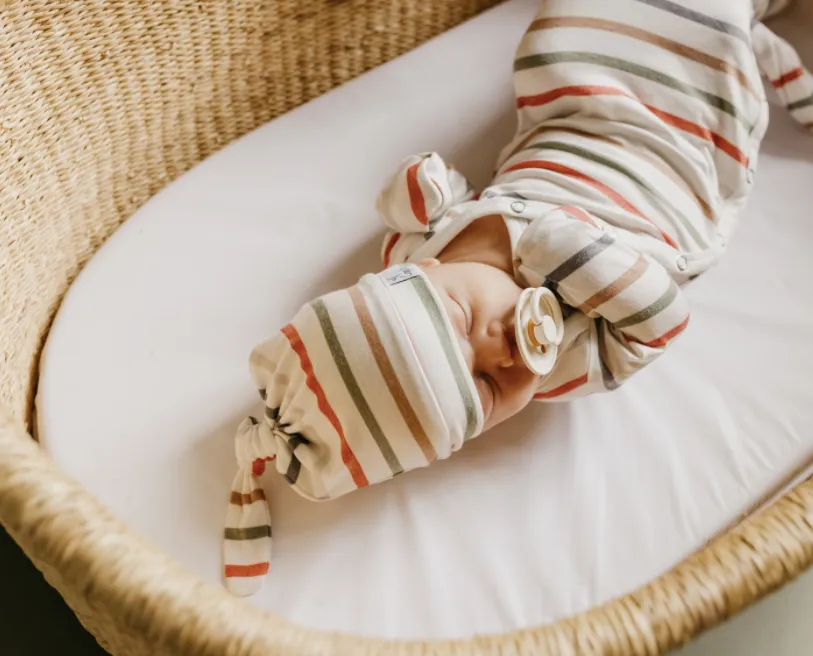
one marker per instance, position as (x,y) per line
(639,124)
(364,384)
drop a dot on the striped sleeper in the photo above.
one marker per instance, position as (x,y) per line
(639,125)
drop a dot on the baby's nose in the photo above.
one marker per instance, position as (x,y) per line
(502,345)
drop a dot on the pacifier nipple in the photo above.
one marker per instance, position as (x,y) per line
(539,328)
(545,331)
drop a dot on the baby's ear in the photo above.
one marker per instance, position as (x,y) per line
(429,263)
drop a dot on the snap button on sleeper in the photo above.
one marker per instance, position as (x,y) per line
(749,176)
(518,206)
(682,262)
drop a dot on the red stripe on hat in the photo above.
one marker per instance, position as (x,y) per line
(258,466)
(664,339)
(388,248)
(562,389)
(787,78)
(348,457)
(246,571)
(617,198)
(681,123)
(416,200)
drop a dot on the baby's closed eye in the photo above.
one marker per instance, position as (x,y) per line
(465,318)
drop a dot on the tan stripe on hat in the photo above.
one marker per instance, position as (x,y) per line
(353,388)
(389,375)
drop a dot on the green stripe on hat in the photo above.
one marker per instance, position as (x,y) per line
(248,533)
(799,104)
(391,380)
(353,388)
(460,375)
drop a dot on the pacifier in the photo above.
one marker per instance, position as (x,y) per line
(539,328)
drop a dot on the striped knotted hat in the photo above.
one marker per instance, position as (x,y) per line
(364,384)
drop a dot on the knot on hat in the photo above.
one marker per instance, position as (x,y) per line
(256,443)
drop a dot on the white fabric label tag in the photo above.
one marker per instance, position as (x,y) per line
(399,274)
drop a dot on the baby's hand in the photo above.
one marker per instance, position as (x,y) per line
(420,191)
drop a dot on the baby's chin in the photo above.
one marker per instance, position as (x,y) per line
(516,401)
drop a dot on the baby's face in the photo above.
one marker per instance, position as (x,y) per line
(480,301)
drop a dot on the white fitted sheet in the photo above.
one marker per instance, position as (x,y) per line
(144,376)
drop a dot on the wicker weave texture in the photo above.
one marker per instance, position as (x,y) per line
(102,103)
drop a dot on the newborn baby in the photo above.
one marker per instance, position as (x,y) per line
(639,124)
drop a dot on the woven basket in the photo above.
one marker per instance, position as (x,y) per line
(102,103)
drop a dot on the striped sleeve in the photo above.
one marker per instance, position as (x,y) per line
(625,308)
(414,199)
(780,63)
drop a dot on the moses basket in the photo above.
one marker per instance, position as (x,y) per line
(103,104)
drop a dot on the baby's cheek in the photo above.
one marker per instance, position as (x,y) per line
(522,391)
(514,396)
